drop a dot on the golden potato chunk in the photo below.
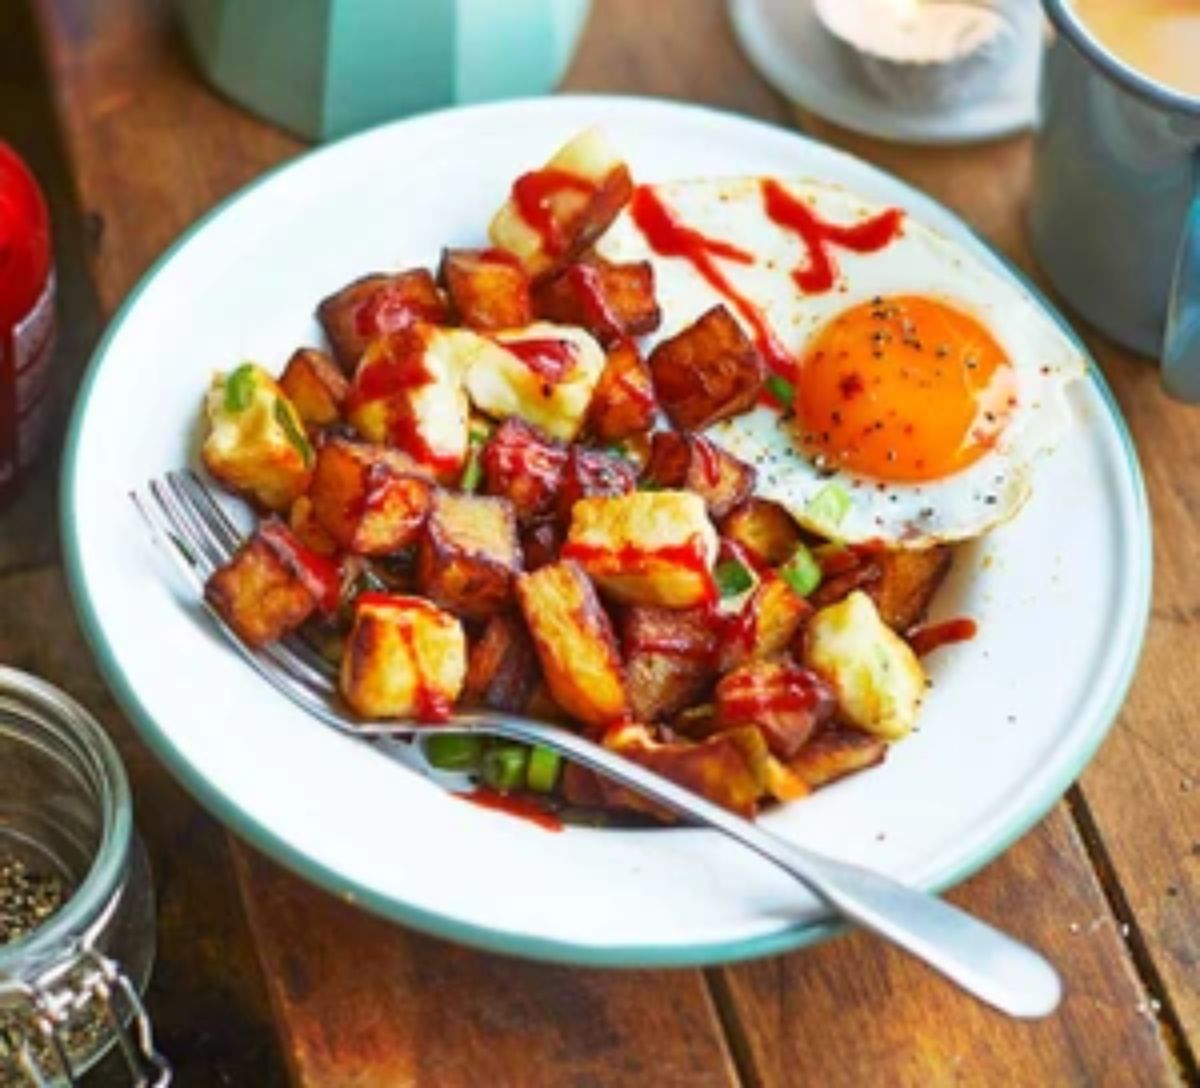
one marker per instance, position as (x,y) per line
(524,467)
(767,532)
(708,372)
(367,497)
(907,581)
(670,656)
(877,677)
(503,670)
(408,394)
(404,659)
(611,301)
(302,520)
(590,474)
(255,441)
(544,374)
(785,702)
(764,625)
(376,305)
(469,554)
(553,214)
(488,288)
(729,769)
(692,462)
(835,753)
(260,592)
(314,384)
(574,641)
(623,403)
(649,547)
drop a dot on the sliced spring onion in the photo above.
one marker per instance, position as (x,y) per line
(829,506)
(649,485)
(781,389)
(541,775)
(732,578)
(503,766)
(454,752)
(239,388)
(285,419)
(472,475)
(802,572)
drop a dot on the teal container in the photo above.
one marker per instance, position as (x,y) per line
(325,68)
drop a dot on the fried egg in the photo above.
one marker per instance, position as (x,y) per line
(914,388)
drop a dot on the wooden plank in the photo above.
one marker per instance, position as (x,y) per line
(840,1013)
(427,1012)
(209,1006)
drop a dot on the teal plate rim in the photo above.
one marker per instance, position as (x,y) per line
(555,951)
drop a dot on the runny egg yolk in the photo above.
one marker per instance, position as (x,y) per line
(903,389)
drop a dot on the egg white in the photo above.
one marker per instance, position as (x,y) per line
(921,261)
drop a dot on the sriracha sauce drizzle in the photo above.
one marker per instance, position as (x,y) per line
(514,805)
(630,557)
(320,574)
(432,706)
(549,359)
(925,639)
(534,193)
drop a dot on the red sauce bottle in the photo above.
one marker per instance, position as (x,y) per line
(26,319)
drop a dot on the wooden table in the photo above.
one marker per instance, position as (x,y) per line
(133,147)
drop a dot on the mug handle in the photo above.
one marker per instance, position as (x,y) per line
(1181,348)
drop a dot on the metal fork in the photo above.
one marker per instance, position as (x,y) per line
(191,528)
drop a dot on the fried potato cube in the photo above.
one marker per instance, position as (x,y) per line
(765,624)
(540,544)
(692,462)
(404,659)
(592,474)
(469,554)
(302,520)
(488,288)
(376,305)
(555,213)
(408,393)
(764,529)
(255,442)
(729,769)
(612,301)
(524,467)
(574,641)
(623,403)
(649,547)
(314,384)
(708,372)
(907,581)
(544,374)
(502,670)
(260,592)
(835,753)
(878,679)
(782,784)
(670,656)
(786,702)
(367,497)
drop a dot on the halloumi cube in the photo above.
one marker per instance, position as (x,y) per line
(544,374)
(648,547)
(878,679)
(408,394)
(404,658)
(555,213)
(255,441)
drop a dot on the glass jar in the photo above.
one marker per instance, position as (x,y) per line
(70,987)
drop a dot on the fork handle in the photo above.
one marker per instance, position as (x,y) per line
(983,961)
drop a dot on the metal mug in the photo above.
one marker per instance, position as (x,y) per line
(1115,218)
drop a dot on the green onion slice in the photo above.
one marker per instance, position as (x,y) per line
(541,775)
(503,766)
(285,419)
(782,390)
(732,578)
(802,572)
(239,388)
(454,752)
(829,506)
(472,475)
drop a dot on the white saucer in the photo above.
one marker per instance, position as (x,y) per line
(793,52)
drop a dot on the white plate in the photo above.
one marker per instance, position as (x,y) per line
(786,43)
(1061,594)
